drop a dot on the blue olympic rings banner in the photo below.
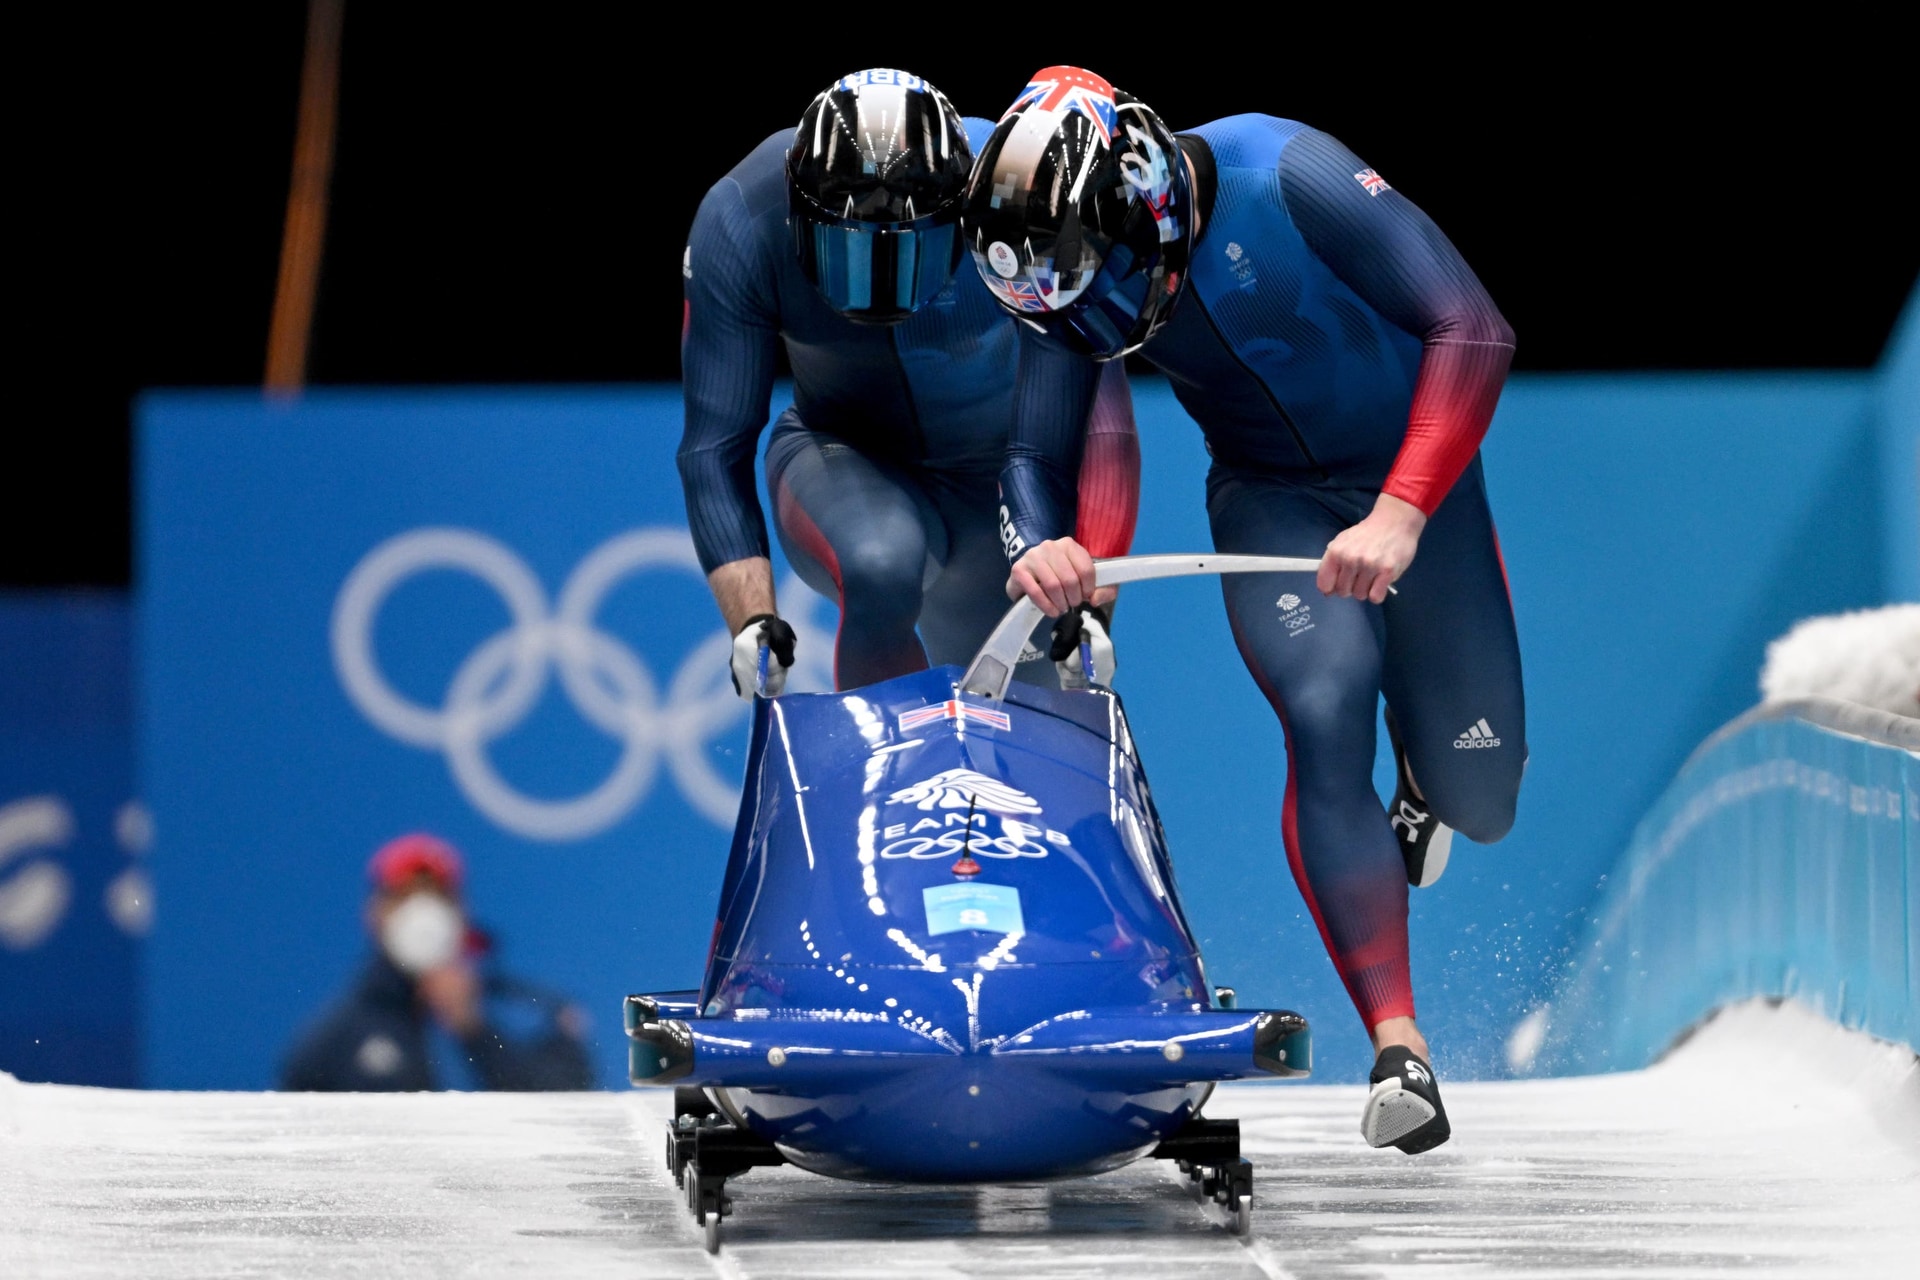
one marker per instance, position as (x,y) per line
(1783,861)
(479,616)
(658,725)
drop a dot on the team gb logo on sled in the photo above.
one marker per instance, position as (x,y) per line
(965,789)
(969,806)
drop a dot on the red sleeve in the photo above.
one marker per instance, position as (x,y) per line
(1109,469)
(1453,404)
(1392,255)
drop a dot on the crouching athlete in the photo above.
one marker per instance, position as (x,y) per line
(841,239)
(1343,363)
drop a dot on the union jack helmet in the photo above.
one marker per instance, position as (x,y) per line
(1079,214)
(875,176)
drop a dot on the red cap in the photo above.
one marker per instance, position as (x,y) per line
(398,863)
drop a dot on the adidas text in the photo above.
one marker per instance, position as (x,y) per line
(1479,734)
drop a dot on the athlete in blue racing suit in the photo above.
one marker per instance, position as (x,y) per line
(1343,363)
(884,471)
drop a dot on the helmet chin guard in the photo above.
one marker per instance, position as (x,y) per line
(1079,215)
(875,177)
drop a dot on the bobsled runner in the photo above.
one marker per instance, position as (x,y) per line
(949,948)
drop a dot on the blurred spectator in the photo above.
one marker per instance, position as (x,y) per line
(424,974)
(1870,657)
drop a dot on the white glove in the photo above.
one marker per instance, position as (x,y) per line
(1083,625)
(763,631)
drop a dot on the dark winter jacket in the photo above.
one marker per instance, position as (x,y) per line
(375,1041)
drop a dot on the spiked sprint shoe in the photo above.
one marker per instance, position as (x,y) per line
(1403,1109)
(1425,841)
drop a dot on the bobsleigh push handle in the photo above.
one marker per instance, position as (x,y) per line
(992,668)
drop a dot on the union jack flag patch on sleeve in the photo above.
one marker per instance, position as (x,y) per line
(1372,181)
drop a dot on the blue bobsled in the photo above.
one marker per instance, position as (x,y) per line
(949,949)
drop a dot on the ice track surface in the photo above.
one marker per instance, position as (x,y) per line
(1770,1144)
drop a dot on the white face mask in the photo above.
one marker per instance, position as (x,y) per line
(423,932)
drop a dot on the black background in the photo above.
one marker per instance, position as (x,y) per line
(512,188)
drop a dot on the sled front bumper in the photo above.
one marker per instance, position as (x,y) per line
(796,1049)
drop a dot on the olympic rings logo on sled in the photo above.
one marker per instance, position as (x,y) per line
(957,789)
(1016,840)
(500,683)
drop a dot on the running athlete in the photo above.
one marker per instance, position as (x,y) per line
(1343,363)
(840,239)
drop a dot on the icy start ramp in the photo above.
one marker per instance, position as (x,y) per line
(1733,1156)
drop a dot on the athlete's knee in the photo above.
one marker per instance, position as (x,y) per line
(1482,809)
(1486,823)
(884,566)
(1328,709)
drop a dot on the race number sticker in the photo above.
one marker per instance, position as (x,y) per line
(993,908)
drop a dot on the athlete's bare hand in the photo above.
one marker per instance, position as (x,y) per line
(1056,575)
(1370,557)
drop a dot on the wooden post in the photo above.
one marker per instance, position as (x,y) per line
(290,337)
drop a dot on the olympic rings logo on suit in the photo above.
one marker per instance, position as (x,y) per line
(500,683)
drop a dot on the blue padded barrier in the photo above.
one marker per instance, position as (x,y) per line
(1784,860)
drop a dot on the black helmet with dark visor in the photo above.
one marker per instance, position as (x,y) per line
(875,178)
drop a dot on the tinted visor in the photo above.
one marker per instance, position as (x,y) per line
(1111,318)
(878,275)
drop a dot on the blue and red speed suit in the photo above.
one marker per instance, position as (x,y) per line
(1333,346)
(884,472)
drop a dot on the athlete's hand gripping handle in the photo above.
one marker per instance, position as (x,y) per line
(992,667)
(1364,561)
(762,656)
(1057,575)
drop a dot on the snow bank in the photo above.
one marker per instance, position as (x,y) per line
(1776,1044)
(1870,657)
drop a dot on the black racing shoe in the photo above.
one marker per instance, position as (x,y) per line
(1425,841)
(1404,1109)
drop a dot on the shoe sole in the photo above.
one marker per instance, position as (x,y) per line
(1439,845)
(1392,1113)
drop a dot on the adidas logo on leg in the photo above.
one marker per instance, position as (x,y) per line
(1478,734)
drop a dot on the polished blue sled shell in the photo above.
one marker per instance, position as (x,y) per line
(878,1008)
